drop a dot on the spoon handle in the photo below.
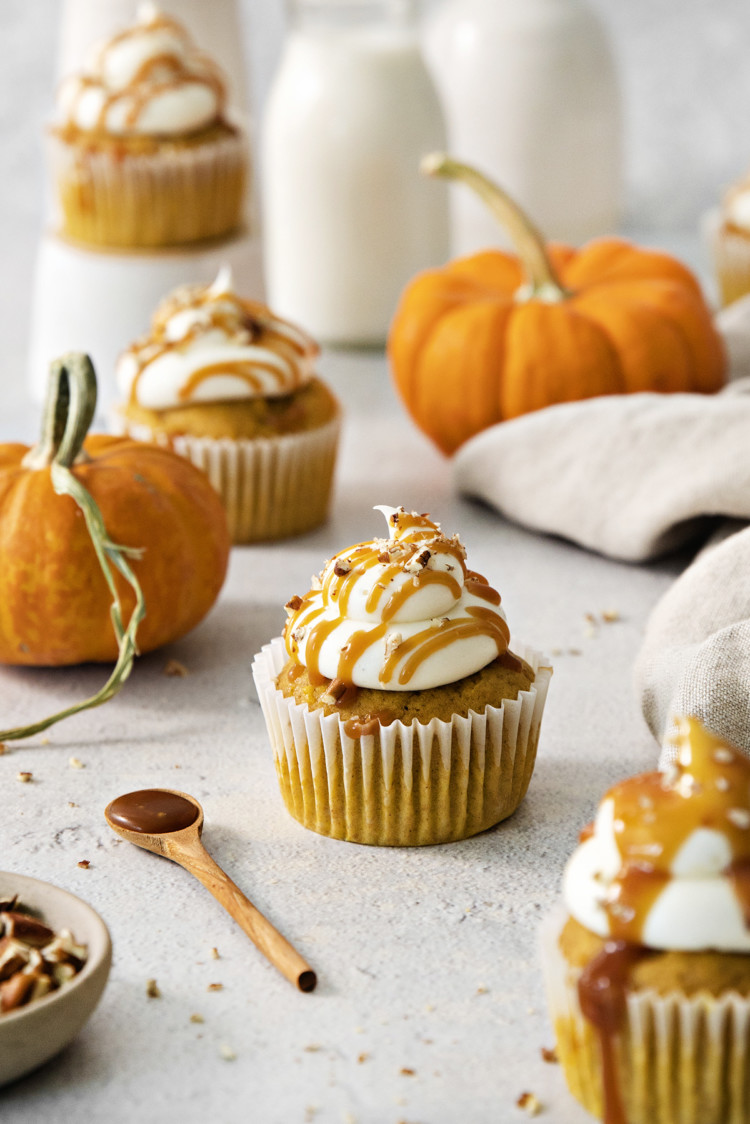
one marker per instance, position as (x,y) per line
(261,932)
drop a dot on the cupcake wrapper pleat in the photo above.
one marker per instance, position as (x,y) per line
(731,253)
(406,784)
(681,1059)
(271,487)
(139,200)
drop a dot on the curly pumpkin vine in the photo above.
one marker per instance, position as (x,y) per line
(495,335)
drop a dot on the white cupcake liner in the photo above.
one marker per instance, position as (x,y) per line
(271,487)
(682,1059)
(404,785)
(167,198)
(731,254)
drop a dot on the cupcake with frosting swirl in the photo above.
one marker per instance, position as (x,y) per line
(397,712)
(648,964)
(145,151)
(232,387)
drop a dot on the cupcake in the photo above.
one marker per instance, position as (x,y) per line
(648,967)
(143,151)
(731,243)
(222,381)
(397,713)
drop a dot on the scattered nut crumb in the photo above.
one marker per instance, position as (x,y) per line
(531,1105)
(556,651)
(152,989)
(44,741)
(313,1049)
(24,778)
(362,1058)
(227,1052)
(574,651)
(610,615)
(76,763)
(482,990)
(84,864)
(176,669)
(550,1055)
(72,804)
(215,954)
(3,748)
(197,1018)
(406,1071)
(215,987)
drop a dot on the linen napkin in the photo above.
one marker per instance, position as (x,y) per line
(634,477)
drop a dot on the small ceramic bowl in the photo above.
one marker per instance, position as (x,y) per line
(34,1033)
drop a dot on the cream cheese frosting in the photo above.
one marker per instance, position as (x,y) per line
(401,614)
(209,345)
(148,80)
(667,864)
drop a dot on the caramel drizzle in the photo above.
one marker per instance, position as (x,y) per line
(655,814)
(140,89)
(267,333)
(414,651)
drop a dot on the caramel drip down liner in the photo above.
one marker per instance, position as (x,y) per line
(680,1059)
(404,785)
(271,487)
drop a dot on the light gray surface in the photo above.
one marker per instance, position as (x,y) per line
(427,958)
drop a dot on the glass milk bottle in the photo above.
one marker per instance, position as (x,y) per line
(531,98)
(348,219)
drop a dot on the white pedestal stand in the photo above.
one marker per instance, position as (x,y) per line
(100,301)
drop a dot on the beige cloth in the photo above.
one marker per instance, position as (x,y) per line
(634,477)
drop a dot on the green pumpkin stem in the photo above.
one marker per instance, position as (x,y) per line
(68,413)
(543,282)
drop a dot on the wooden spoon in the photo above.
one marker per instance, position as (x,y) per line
(169,823)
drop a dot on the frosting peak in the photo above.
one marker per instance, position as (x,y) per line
(149,79)
(668,862)
(207,344)
(402,613)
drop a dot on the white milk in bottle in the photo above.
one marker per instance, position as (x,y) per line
(348,219)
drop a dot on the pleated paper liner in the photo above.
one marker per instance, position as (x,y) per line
(731,254)
(405,785)
(680,1059)
(272,487)
(140,200)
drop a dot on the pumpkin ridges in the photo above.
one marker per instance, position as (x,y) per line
(653,354)
(541,340)
(472,340)
(607,261)
(499,271)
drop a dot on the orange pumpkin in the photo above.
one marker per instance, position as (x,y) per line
(54,599)
(493,336)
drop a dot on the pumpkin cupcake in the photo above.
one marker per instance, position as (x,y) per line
(144,153)
(731,243)
(648,969)
(230,386)
(397,713)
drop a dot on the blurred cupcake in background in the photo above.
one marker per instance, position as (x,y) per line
(731,243)
(648,964)
(229,385)
(144,153)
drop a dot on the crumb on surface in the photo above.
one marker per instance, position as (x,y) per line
(152,989)
(482,990)
(76,763)
(3,748)
(84,864)
(549,1055)
(72,804)
(24,777)
(407,1071)
(44,741)
(312,1048)
(609,616)
(363,1058)
(530,1104)
(215,987)
(227,1052)
(215,954)
(176,669)
(196,1018)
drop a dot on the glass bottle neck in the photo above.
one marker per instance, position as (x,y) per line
(325,14)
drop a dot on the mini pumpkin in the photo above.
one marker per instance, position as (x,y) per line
(63,556)
(495,335)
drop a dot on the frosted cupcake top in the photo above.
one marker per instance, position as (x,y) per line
(667,864)
(147,80)
(208,345)
(398,614)
(737,207)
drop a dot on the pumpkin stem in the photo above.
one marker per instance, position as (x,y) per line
(68,413)
(543,282)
